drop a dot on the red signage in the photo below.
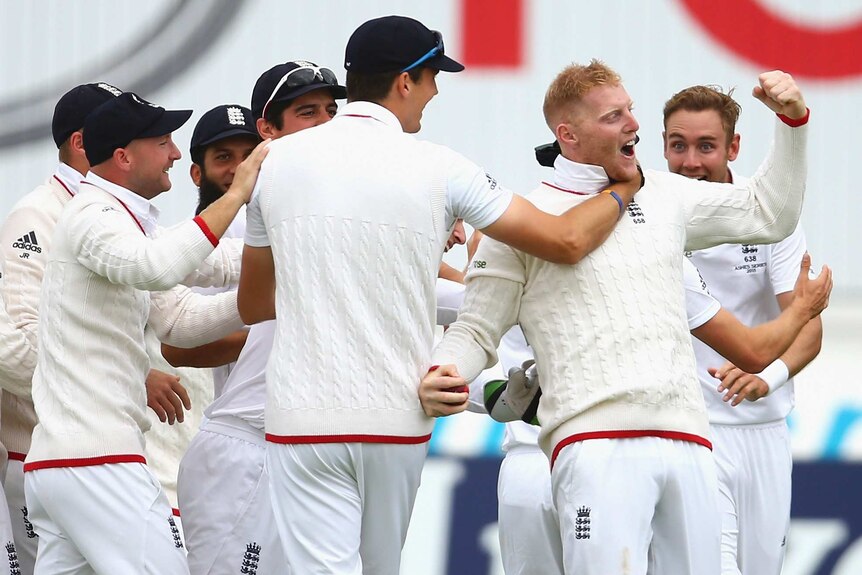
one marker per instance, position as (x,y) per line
(492,32)
(757,34)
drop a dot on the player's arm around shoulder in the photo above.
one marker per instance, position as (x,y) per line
(565,238)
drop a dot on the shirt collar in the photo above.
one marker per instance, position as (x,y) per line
(141,208)
(370,110)
(584,178)
(69,177)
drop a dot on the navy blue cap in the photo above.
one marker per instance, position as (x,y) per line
(125,118)
(74,106)
(223,122)
(396,43)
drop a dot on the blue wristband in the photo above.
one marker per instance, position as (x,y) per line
(619,200)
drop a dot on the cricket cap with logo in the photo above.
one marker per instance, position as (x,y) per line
(74,106)
(396,44)
(222,122)
(291,80)
(127,117)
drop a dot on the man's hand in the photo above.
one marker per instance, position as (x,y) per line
(811,296)
(738,385)
(443,392)
(628,188)
(166,396)
(779,92)
(246,173)
(516,398)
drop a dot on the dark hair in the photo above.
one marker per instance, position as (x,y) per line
(198,154)
(702,98)
(274,112)
(375,87)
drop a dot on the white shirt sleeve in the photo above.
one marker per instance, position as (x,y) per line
(784,260)
(473,194)
(255,227)
(700,306)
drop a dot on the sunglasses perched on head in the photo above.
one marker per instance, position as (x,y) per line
(303,76)
(437,50)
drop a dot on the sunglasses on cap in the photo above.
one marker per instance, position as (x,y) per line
(300,77)
(435,51)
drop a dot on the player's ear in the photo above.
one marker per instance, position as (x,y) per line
(195,173)
(733,149)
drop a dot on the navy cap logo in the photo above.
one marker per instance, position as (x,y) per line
(141,100)
(108,88)
(235,116)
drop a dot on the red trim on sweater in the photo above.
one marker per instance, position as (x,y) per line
(629,434)
(550,185)
(65,187)
(15,456)
(355,438)
(795,123)
(206,230)
(83,462)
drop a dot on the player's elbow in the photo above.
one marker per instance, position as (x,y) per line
(571,249)
(751,361)
(255,310)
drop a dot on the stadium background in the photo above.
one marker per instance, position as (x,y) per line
(199,53)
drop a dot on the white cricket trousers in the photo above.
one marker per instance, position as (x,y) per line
(754,465)
(529,528)
(9,562)
(223,493)
(344,508)
(637,506)
(103,519)
(25,536)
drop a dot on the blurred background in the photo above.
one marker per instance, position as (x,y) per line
(200,53)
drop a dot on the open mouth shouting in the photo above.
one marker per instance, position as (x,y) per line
(628,149)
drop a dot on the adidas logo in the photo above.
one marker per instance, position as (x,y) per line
(28,242)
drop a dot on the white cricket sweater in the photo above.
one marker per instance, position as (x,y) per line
(610,334)
(88,388)
(357,214)
(25,241)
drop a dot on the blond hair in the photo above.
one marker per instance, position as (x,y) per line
(571,84)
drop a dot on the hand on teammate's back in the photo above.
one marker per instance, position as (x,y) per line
(779,92)
(166,396)
(443,392)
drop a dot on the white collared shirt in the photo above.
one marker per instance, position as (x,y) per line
(146,214)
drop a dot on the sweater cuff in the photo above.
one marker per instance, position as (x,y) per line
(795,123)
(207,231)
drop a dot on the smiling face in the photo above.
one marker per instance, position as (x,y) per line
(603,131)
(421,93)
(221,159)
(305,111)
(149,161)
(696,145)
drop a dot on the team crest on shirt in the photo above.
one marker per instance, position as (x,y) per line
(250,559)
(749,257)
(636,213)
(582,523)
